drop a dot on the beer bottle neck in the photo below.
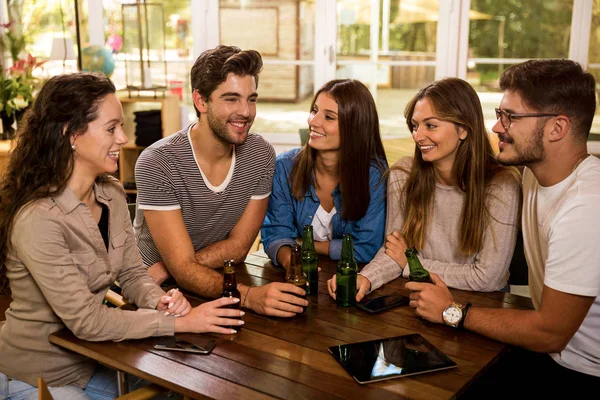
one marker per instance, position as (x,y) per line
(307,240)
(415,265)
(347,251)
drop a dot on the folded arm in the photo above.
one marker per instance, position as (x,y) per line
(177,251)
(239,240)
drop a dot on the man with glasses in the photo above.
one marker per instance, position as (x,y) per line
(543,123)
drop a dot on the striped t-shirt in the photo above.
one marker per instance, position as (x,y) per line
(168,177)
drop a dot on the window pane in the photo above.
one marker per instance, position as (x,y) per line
(406,53)
(174,47)
(594,62)
(506,32)
(42,22)
(285,38)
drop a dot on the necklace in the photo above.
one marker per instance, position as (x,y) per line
(583,157)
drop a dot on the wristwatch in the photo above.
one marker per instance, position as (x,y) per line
(454,314)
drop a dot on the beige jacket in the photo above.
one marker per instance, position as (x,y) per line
(59,272)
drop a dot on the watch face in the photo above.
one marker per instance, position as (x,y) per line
(452,315)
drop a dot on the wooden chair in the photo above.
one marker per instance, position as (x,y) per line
(147,392)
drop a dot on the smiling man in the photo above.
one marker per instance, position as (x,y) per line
(203,192)
(544,120)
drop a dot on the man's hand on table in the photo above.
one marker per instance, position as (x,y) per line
(363,285)
(430,301)
(276,299)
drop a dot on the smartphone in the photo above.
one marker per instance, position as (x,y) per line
(200,346)
(382,303)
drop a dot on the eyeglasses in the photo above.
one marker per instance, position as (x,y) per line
(506,117)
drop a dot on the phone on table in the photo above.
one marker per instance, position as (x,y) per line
(381,303)
(199,345)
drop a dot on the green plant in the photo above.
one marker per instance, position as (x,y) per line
(13,40)
(17,85)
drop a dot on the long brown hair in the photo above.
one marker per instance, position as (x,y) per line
(453,100)
(360,144)
(42,161)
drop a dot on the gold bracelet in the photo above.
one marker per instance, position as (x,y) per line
(246,297)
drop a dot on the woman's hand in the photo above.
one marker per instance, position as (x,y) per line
(395,245)
(211,317)
(363,285)
(174,303)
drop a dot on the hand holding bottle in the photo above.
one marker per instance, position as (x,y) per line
(212,316)
(429,301)
(363,285)
(277,299)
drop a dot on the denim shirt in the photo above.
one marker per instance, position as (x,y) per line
(286,216)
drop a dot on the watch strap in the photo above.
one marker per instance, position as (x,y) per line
(465,309)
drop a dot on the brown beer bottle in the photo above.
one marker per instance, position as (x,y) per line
(417,272)
(230,286)
(295,275)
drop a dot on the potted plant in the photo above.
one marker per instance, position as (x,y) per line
(17,85)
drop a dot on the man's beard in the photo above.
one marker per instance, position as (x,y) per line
(221,130)
(532,152)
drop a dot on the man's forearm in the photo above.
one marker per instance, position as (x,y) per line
(516,327)
(199,279)
(214,254)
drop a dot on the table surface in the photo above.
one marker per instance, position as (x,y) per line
(288,357)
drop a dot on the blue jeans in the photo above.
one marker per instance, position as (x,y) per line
(102,386)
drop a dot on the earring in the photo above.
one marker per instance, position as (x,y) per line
(73,147)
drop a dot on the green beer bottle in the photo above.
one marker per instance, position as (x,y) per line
(310,260)
(295,276)
(345,275)
(417,272)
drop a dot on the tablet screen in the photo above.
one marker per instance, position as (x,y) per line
(389,358)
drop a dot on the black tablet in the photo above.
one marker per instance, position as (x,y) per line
(389,358)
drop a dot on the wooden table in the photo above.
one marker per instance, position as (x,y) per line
(288,357)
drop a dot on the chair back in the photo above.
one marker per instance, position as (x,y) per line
(519,274)
(43,392)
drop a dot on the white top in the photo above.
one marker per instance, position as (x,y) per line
(561,230)
(321,223)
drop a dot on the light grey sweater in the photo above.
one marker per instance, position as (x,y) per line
(484,271)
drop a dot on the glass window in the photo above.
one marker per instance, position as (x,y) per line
(43,25)
(405,55)
(177,44)
(594,62)
(503,33)
(285,38)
